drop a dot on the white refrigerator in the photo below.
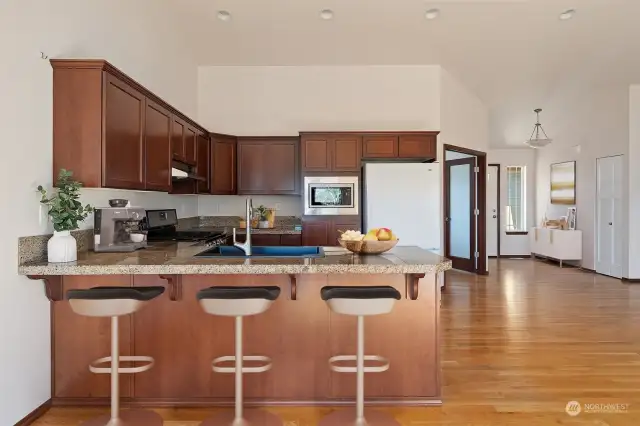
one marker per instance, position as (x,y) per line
(405,197)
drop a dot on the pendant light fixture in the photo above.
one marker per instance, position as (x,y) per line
(535,141)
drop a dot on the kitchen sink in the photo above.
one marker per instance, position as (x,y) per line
(263,251)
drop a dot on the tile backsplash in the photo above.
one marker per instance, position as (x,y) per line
(234,205)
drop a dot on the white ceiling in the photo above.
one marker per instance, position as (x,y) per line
(502,50)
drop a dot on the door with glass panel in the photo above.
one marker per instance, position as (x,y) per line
(460,206)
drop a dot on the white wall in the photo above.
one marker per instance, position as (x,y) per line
(634,181)
(464,119)
(286,100)
(234,205)
(587,125)
(134,36)
(515,244)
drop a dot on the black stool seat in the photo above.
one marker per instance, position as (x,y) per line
(108,293)
(366,292)
(229,292)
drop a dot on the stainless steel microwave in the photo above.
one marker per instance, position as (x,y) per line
(333,195)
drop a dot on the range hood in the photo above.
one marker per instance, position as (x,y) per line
(182,171)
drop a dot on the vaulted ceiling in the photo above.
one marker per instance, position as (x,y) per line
(511,53)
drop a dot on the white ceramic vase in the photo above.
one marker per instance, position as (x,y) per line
(264,224)
(62,247)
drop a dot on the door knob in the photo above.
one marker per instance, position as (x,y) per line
(610,223)
(494,216)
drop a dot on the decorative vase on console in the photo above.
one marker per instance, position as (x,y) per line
(263,217)
(65,212)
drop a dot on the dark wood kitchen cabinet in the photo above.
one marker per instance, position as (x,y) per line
(112,132)
(380,146)
(124,128)
(157,145)
(203,157)
(223,164)
(268,166)
(331,152)
(403,145)
(326,230)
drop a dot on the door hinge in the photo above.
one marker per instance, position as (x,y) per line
(477,255)
(476,212)
(476,169)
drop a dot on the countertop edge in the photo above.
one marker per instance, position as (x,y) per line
(44,270)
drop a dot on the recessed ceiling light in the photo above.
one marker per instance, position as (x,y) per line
(432,13)
(326,14)
(567,14)
(223,15)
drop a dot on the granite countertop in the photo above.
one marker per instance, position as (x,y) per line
(278,230)
(177,258)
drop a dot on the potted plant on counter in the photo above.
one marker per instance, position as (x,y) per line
(65,212)
(263,216)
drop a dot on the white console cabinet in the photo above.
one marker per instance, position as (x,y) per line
(556,244)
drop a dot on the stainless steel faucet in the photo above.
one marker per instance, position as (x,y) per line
(246,246)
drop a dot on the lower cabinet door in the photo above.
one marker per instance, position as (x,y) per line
(265,239)
(341,225)
(291,240)
(315,233)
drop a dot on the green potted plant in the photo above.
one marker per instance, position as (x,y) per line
(263,216)
(66,213)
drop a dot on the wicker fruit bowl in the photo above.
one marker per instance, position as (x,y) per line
(368,246)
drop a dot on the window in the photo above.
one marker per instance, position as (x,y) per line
(516,196)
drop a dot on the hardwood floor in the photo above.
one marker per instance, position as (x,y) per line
(518,345)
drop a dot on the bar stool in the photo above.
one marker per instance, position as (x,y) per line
(114,302)
(361,302)
(239,302)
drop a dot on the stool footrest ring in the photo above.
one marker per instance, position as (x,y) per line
(384,366)
(259,369)
(126,370)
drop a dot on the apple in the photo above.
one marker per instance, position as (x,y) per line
(384,234)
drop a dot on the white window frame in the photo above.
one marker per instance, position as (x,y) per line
(509,225)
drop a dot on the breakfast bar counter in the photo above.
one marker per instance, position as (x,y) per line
(299,332)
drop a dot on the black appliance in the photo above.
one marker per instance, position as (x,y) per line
(162,226)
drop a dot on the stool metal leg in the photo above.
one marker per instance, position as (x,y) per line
(361,417)
(240,417)
(128,417)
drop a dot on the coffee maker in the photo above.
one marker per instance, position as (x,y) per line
(119,229)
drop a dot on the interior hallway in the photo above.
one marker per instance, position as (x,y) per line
(517,346)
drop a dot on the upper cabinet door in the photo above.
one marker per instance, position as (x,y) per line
(346,153)
(268,166)
(123,145)
(282,167)
(316,153)
(190,144)
(417,146)
(223,165)
(202,163)
(177,138)
(380,146)
(157,147)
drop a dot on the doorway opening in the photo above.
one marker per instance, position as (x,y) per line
(464,193)
(493,211)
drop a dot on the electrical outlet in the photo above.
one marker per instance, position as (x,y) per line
(278,206)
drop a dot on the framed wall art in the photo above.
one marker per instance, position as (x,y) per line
(563,183)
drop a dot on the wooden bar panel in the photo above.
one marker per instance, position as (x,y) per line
(80,340)
(299,335)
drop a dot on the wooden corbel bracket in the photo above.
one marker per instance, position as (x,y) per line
(52,286)
(175,286)
(294,286)
(411,285)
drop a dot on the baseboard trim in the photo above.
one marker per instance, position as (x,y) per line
(631,280)
(35,414)
(251,402)
(515,256)
(593,271)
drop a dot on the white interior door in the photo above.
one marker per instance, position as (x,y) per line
(492,210)
(609,216)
